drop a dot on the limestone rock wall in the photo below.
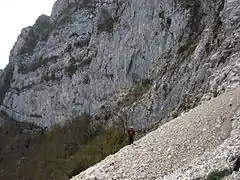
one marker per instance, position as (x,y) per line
(88,54)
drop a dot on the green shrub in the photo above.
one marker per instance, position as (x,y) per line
(51,77)
(188,3)
(17,142)
(5,80)
(37,63)
(174,114)
(71,69)
(136,93)
(218,174)
(68,150)
(108,142)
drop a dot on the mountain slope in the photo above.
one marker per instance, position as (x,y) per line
(188,147)
(124,62)
(88,55)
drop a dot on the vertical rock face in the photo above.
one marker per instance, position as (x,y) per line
(89,53)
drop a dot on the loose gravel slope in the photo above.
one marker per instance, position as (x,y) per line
(170,151)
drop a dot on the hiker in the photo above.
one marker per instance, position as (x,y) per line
(131,135)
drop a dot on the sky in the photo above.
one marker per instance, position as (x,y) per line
(16,15)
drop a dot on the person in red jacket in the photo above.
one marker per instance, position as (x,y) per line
(131,135)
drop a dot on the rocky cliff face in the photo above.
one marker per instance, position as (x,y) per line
(140,60)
